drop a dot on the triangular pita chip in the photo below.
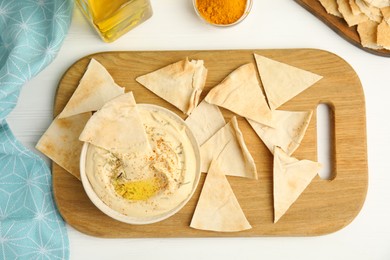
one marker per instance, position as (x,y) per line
(282,82)
(117,127)
(228,147)
(383,35)
(205,120)
(96,87)
(61,142)
(291,177)
(241,93)
(180,83)
(218,208)
(290,128)
(331,7)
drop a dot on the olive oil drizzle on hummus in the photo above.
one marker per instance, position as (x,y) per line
(162,163)
(138,190)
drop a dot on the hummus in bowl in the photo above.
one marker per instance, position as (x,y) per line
(139,187)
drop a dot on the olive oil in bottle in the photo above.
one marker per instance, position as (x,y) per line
(113,18)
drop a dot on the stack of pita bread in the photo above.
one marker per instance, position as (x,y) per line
(372,18)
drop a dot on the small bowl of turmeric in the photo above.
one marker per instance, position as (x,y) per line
(222,13)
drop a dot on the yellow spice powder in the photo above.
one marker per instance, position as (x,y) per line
(221,11)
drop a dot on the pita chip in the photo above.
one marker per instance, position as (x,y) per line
(378,3)
(180,83)
(117,127)
(96,87)
(240,92)
(386,14)
(289,131)
(61,142)
(205,120)
(368,34)
(331,7)
(228,147)
(372,12)
(281,81)
(291,177)
(218,208)
(349,17)
(354,7)
(383,35)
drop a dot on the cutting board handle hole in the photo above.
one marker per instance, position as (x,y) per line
(325,140)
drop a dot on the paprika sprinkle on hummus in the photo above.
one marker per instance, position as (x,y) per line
(221,12)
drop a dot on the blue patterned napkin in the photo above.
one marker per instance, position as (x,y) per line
(31,33)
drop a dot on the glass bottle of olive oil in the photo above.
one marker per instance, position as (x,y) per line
(113,18)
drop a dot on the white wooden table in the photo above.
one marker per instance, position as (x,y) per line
(271,24)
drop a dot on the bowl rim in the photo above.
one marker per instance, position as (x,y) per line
(248,8)
(139,220)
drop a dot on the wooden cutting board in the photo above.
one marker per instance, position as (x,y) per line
(324,207)
(339,26)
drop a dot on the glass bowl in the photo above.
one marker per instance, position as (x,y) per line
(248,8)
